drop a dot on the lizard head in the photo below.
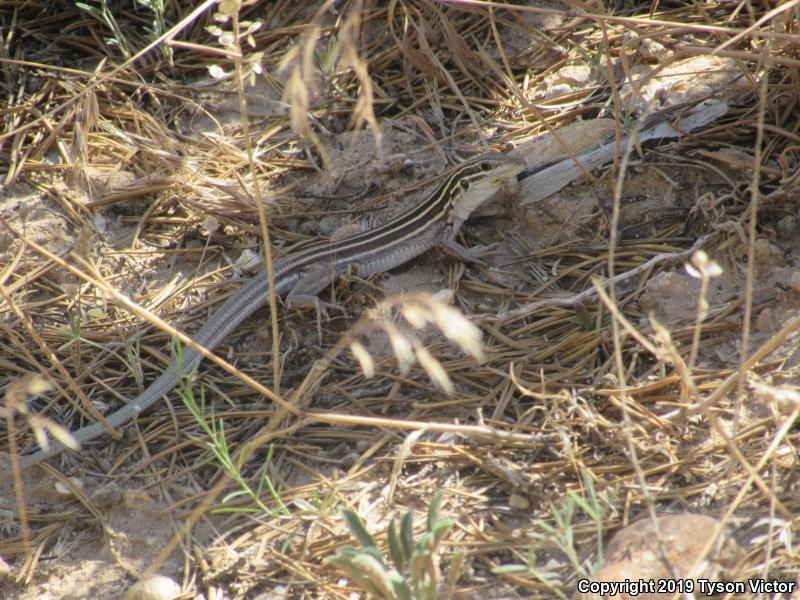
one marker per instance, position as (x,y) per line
(476,181)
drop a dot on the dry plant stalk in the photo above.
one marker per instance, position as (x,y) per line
(536,405)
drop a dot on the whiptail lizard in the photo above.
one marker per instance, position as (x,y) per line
(433,222)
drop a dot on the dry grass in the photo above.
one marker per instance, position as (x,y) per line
(159,158)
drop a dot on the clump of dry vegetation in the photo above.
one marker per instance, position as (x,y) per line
(638,315)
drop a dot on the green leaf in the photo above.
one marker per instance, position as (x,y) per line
(433,509)
(509,569)
(355,572)
(376,554)
(590,510)
(375,572)
(356,527)
(400,587)
(440,530)
(417,566)
(345,553)
(424,544)
(395,547)
(90,9)
(407,534)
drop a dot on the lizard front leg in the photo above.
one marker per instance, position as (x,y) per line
(474,255)
(312,280)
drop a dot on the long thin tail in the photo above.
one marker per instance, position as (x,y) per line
(249,298)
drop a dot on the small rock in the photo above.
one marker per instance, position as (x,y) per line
(107,496)
(327,225)
(787,227)
(631,39)
(766,319)
(575,75)
(65,492)
(5,571)
(794,281)
(652,50)
(350,459)
(633,554)
(249,261)
(672,297)
(765,250)
(518,502)
(155,587)
(556,90)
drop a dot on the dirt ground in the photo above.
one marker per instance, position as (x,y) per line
(153,200)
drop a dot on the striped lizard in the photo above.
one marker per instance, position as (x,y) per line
(300,276)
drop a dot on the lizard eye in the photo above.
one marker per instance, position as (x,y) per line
(464,185)
(485,166)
